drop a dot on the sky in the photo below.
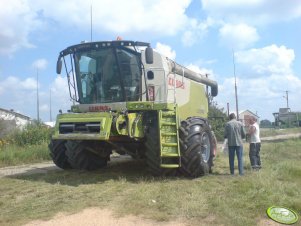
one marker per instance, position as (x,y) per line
(259,38)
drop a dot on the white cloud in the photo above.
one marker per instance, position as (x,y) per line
(257,12)
(40,64)
(238,36)
(18,93)
(166,50)
(195,30)
(14,84)
(263,76)
(21,94)
(17,21)
(44,108)
(22,17)
(261,95)
(60,94)
(202,71)
(154,17)
(265,61)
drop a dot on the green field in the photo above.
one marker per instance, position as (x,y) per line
(127,188)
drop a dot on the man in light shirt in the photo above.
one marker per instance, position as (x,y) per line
(254,151)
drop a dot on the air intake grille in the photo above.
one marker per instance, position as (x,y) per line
(79,127)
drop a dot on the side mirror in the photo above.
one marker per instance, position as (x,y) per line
(149,55)
(59,66)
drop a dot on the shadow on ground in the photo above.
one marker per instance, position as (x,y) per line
(128,169)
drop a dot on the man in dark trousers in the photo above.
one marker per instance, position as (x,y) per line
(254,152)
(235,133)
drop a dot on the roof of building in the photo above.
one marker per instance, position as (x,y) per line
(250,112)
(16,114)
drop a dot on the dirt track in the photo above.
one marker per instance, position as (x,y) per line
(102,217)
(281,137)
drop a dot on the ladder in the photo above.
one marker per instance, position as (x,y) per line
(169,139)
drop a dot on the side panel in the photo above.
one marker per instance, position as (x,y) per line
(190,96)
(156,75)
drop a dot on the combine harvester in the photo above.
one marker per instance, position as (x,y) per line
(134,101)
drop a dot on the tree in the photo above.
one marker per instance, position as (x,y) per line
(265,123)
(217,118)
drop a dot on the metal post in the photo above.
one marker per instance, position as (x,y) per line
(228,110)
(236,98)
(286,98)
(50,105)
(91,22)
(38,107)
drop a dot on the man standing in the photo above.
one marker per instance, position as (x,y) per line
(254,151)
(235,132)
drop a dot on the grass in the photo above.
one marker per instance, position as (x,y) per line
(266,132)
(127,188)
(15,155)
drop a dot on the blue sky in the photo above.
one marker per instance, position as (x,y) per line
(200,34)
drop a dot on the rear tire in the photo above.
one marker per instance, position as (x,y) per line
(84,155)
(196,143)
(58,153)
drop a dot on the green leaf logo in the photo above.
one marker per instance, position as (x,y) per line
(282,215)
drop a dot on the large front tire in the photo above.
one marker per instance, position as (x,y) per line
(196,143)
(86,155)
(58,153)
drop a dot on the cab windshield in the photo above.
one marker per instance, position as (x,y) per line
(107,75)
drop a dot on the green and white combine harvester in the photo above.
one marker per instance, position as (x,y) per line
(132,100)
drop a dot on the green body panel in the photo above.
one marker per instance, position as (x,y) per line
(130,125)
(149,105)
(111,123)
(104,118)
(198,102)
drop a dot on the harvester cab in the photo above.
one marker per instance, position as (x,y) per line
(132,100)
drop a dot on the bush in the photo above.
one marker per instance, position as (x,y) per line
(33,134)
(217,119)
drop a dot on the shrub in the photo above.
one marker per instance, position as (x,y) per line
(32,134)
(217,118)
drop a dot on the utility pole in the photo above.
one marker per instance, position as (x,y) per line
(50,105)
(91,24)
(286,97)
(38,107)
(228,109)
(236,98)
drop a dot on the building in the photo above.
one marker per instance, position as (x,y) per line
(285,117)
(245,115)
(9,120)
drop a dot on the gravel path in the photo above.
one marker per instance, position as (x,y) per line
(36,168)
